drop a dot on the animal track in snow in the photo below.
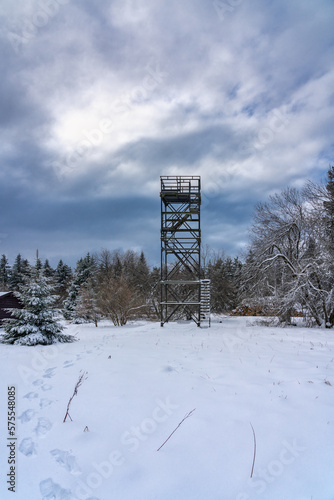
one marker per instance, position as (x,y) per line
(46,387)
(53,491)
(31,395)
(27,447)
(49,372)
(37,382)
(45,402)
(65,459)
(43,427)
(67,364)
(27,416)
(169,369)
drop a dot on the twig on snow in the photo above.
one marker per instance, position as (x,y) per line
(81,378)
(254,450)
(186,416)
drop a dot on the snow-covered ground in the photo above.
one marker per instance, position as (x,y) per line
(142,381)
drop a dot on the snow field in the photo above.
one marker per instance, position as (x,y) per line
(142,380)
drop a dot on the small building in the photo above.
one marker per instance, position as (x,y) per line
(8,300)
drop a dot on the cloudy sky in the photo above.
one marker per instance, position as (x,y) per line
(98,99)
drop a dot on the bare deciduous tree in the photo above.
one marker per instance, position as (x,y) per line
(288,260)
(117,300)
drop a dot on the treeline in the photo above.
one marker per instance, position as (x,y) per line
(119,285)
(12,277)
(110,284)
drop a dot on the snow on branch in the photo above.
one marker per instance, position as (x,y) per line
(284,258)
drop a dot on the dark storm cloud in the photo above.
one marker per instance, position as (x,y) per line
(95,224)
(185,149)
(98,217)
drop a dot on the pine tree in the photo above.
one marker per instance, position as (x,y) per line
(35,323)
(47,269)
(62,278)
(4,273)
(84,271)
(221,272)
(19,271)
(87,303)
(118,266)
(70,303)
(38,264)
(140,276)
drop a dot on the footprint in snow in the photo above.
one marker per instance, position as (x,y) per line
(31,395)
(45,402)
(67,364)
(27,416)
(66,460)
(169,369)
(49,372)
(46,387)
(37,382)
(27,447)
(43,427)
(53,491)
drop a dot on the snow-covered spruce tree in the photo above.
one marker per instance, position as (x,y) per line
(69,304)
(35,323)
(85,270)
(47,269)
(4,273)
(19,271)
(62,276)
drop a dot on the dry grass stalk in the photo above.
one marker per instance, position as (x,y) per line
(82,377)
(187,416)
(254,450)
